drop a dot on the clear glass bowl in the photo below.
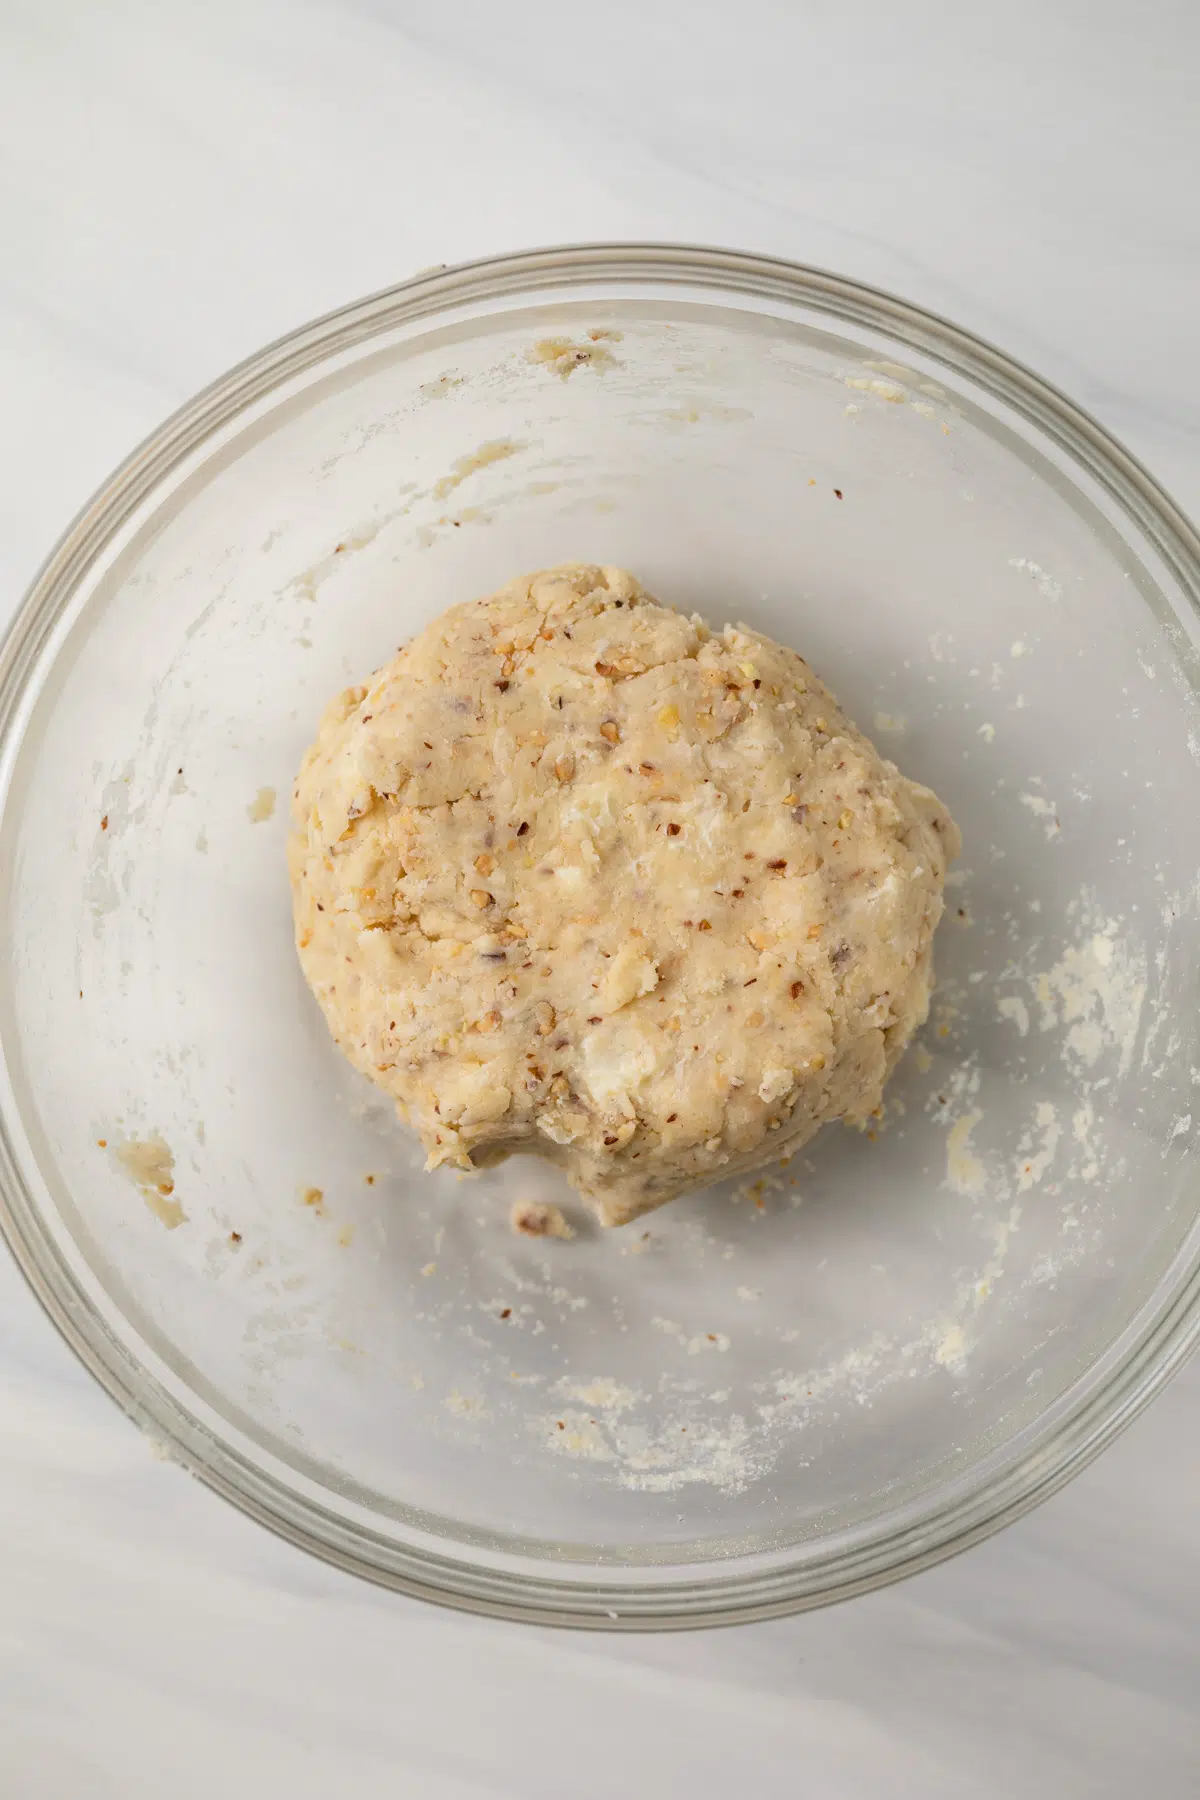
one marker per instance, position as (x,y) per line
(763,1398)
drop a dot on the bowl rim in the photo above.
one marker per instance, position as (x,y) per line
(1159,1345)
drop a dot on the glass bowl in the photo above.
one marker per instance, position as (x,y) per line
(774,1393)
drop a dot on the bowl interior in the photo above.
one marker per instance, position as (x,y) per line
(762,1369)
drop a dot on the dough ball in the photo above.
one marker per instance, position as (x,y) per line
(575,875)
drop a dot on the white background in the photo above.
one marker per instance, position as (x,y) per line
(179,183)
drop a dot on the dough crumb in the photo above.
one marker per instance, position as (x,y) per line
(540,1218)
(261,808)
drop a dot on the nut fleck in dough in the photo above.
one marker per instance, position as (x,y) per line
(575,875)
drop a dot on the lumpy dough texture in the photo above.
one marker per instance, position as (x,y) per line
(574,874)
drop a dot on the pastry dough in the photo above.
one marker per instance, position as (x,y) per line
(575,875)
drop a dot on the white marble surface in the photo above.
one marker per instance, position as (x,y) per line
(179,183)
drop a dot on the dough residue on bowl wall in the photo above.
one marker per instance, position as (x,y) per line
(562,356)
(496,450)
(149,1163)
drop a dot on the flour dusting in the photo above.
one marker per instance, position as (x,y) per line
(1047,586)
(1096,990)
(1011,1006)
(1046,811)
(964,1171)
